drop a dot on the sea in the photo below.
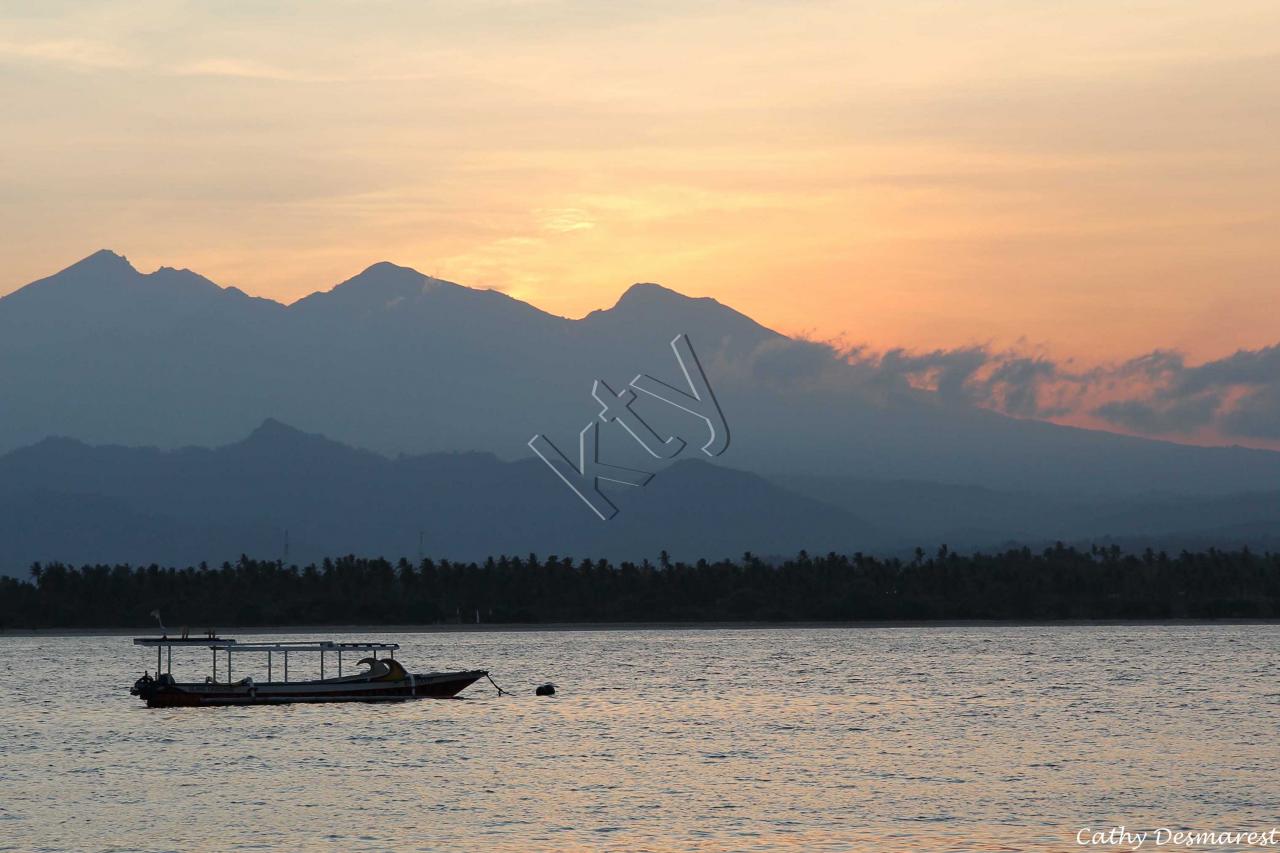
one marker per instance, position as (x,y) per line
(903,738)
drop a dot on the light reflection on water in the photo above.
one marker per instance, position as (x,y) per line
(949,738)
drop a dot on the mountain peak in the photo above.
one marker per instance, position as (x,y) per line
(274,435)
(387,267)
(90,280)
(287,445)
(105,258)
(102,265)
(387,280)
(646,307)
(648,293)
(272,428)
(104,294)
(378,287)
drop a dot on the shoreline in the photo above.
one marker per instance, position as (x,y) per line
(561,627)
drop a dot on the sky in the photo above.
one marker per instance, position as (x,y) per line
(1092,181)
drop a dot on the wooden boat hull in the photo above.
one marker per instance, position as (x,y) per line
(434,685)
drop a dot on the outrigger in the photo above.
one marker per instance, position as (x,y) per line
(385,680)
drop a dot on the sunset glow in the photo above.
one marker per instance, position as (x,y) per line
(647,425)
(1092,178)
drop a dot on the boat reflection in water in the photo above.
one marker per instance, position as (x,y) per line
(385,680)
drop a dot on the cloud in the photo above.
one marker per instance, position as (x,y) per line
(1248,367)
(1235,398)
(1255,415)
(73,52)
(792,363)
(1180,416)
(1017,383)
(566,219)
(250,70)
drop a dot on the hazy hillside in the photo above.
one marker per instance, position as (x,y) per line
(403,363)
(64,500)
(61,499)
(917,513)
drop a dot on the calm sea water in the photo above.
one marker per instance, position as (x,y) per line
(932,739)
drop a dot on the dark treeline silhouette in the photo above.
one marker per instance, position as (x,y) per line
(1058,583)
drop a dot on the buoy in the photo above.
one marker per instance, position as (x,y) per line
(547,689)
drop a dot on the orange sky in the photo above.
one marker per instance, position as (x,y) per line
(1097,178)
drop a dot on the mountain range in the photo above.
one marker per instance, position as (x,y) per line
(283,493)
(400,362)
(64,500)
(422,371)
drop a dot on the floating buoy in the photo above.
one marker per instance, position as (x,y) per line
(547,689)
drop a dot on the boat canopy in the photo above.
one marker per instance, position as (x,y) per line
(166,644)
(197,642)
(291,646)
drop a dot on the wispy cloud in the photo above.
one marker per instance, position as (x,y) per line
(232,67)
(1235,397)
(1158,394)
(567,219)
(79,53)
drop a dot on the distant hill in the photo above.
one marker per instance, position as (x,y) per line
(64,500)
(914,513)
(404,363)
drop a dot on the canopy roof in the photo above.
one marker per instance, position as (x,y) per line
(293,646)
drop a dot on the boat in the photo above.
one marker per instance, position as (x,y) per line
(383,680)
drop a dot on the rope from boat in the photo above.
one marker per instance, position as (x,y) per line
(501,692)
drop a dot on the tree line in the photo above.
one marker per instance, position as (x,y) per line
(1017,584)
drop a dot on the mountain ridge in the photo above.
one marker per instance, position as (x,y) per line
(331,498)
(381,278)
(401,362)
(64,500)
